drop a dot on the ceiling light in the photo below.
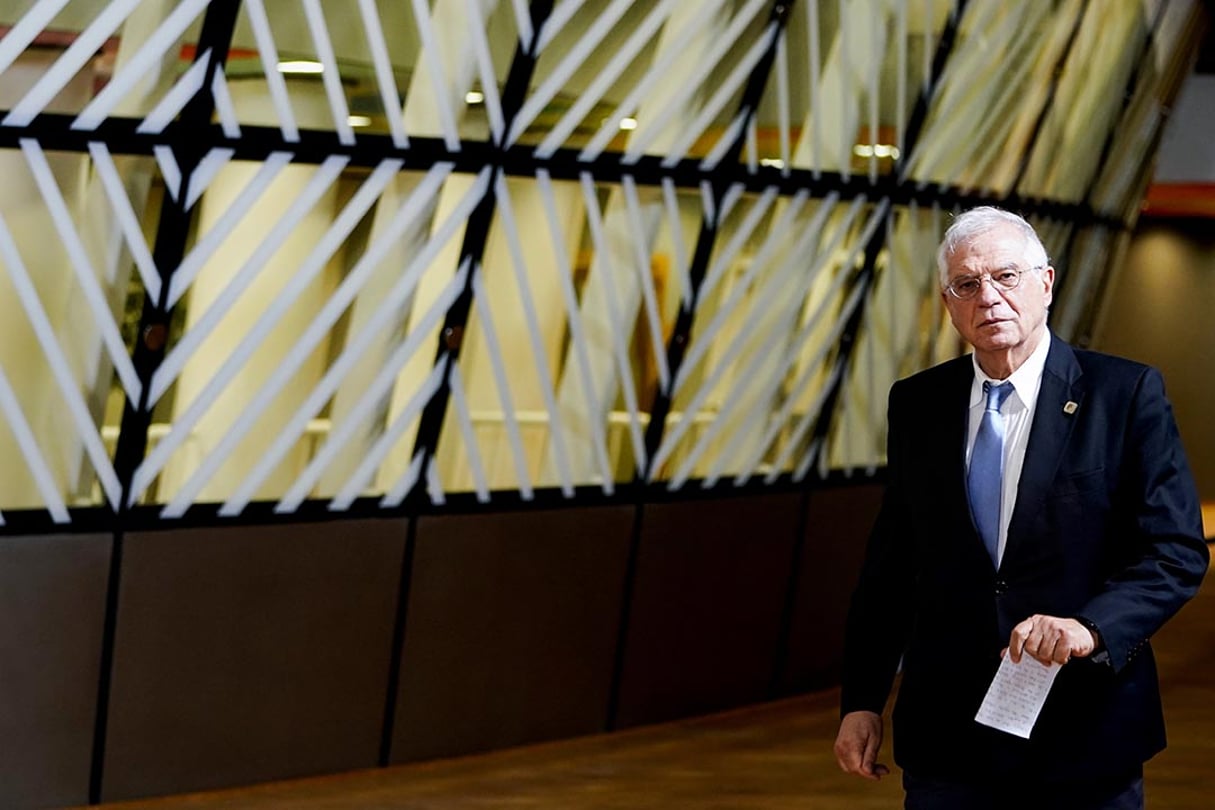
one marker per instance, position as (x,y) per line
(628,123)
(474,97)
(358,120)
(300,66)
(775,163)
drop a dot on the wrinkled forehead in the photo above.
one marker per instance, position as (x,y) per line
(990,250)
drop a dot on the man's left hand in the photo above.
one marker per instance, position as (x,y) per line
(1050,638)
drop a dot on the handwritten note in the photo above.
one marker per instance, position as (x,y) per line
(1016,695)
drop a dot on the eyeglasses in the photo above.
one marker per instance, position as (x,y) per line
(964,288)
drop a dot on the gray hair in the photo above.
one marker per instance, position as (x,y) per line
(977,222)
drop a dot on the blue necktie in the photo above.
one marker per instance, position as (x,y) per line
(985,479)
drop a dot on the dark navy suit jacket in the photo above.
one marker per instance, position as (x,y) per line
(1106,528)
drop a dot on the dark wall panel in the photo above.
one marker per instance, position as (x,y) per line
(511,630)
(52,604)
(837,527)
(251,653)
(710,592)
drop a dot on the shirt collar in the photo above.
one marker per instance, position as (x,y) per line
(1026,380)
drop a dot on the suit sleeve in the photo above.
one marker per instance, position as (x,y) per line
(878,623)
(1169,555)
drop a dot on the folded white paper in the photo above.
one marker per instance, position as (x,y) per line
(1016,695)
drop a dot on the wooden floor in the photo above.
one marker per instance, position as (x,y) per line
(775,756)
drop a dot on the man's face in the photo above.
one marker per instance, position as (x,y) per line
(997,321)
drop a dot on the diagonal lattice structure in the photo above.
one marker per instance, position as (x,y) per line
(283,255)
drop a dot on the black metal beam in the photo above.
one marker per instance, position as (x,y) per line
(215,38)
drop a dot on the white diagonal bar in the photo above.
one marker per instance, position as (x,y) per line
(602,82)
(274,80)
(677,104)
(28,446)
(434,486)
(169,170)
(324,177)
(312,265)
(82,49)
(777,422)
(574,59)
(168,107)
(405,483)
(373,27)
(205,172)
(28,27)
(485,67)
(224,107)
(316,260)
(131,230)
(324,320)
(320,394)
(69,386)
(143,62)
(557,20)
(523,19)
(470,437)
(783,114)
(773,239)
(438,77)
(900,76)
(236,212)
(767,307)
(708,201)
(388,309)
(657,72)
(723,145)
(649,296)
(815,449)
(330,76)
(708,112)
(876,21)
(804,241)
(816,134)
(539,355)
(738,239)
(675,225)
(86,276)
(383,444)
(777,372)
(607,282)
(502,381)
(595,416)
(368,401)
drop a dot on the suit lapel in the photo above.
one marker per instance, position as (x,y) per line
(1048,436)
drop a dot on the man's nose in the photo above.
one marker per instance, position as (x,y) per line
(988,293)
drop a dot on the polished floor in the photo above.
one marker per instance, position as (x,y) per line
(776,757)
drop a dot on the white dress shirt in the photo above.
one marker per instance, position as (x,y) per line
(1018,411)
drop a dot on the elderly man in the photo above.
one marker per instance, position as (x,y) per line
(1038,503)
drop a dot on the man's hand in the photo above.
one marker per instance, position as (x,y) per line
(1049,638)
(856,746)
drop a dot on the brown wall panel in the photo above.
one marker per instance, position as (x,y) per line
(52,608)
(511,629)
(709,596)
(837,527)
(251,653)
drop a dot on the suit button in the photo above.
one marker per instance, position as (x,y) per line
(1001,587)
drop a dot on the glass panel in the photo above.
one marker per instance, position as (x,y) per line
(992,93)
(1087,101)
(69,227)
(644,78)
(848,89)
(312,300)
(83,58)
(781,286)
(566,346)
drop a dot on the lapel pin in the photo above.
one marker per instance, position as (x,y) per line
(1070,407)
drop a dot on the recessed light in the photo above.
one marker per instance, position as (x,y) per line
(300,66)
